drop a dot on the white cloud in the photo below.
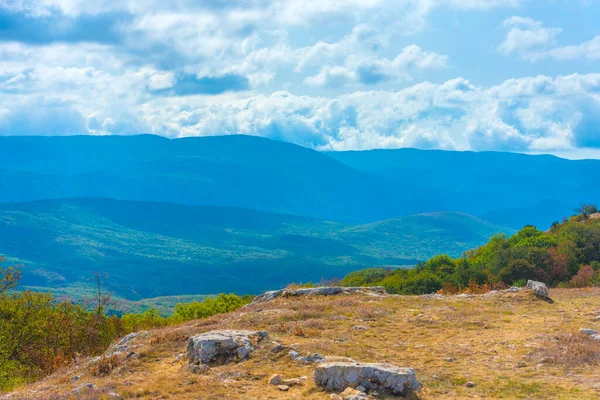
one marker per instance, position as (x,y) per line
(532,41)
(586,50)
(527,37)
(370,69)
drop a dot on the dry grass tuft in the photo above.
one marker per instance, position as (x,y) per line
(571,350)
(105,365)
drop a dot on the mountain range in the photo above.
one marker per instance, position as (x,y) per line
(245,214)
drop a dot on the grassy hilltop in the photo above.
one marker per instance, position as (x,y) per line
(510,345)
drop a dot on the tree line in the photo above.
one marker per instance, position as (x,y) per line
(567,255)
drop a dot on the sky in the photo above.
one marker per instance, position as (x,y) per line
(502,75)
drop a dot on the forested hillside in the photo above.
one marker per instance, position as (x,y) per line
(157,249)
(568,255)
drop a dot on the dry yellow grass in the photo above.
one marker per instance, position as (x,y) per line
(511,346)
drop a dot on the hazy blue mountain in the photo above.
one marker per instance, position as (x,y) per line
(540,214)
(273,176)
(240,171)
(155,249)
(485,182)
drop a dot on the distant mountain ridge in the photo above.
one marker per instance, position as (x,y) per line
(272,176)
(156,249)
(489,183)
(239,171)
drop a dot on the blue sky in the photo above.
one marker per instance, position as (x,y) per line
(508,75)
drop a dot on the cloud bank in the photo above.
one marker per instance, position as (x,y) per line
(370,79)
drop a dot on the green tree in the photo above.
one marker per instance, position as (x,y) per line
(9,277)
(517,270)
(586,209)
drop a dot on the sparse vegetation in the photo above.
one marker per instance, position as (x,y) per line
(39,334)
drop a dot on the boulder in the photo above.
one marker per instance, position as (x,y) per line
(384,378)
(222,347)
(539,288)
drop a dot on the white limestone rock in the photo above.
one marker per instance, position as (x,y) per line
(223,346)
(384,378)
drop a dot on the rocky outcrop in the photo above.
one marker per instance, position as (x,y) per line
(319,291)
(383,378)
(125,345)
(540,289)
(222,347)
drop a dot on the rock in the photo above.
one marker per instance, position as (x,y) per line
(283,388)
(124,346)
(292,382)
(434,296)
(114,395)
(267,296)
(359,328)
(84,387)
(334,396)
(275,380)
(470,384)
(310,359)
(75,378)
(539,288)
(318,291)
(279,348)
(361,389)
(198,368)
(381,377)
(590,332)
(352,394)
(222,347)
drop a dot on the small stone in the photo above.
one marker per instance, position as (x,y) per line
(449,359)
(359,328)
(334,396)
(275,380)
(85,386)
(75,378)
(291,382)
(470,384)
(279,348)
(587,331)
(114,395)
(435,377)
(361,389)
(350,392)
(198,368)
(283,388)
